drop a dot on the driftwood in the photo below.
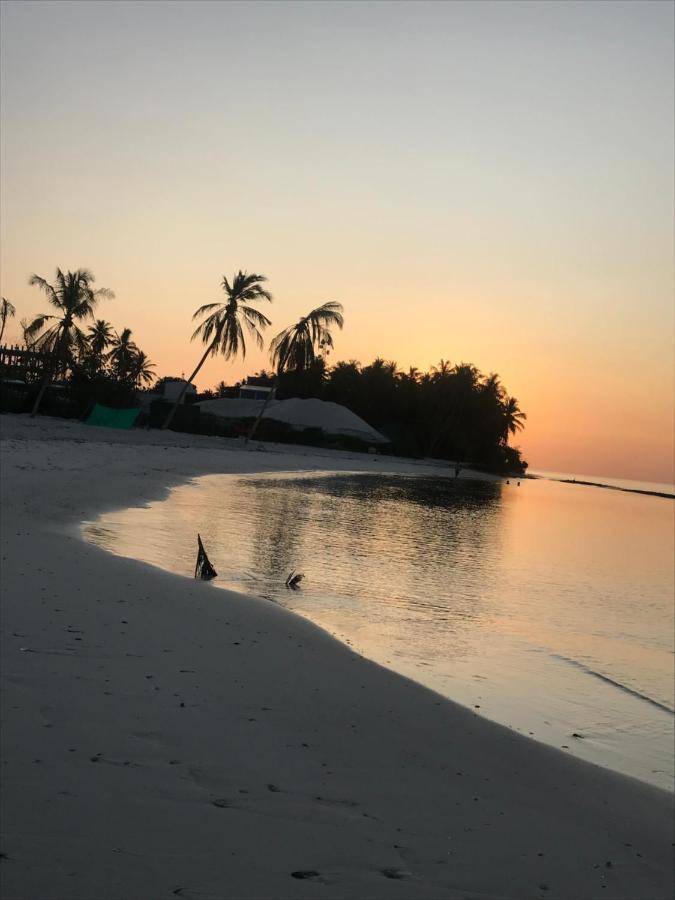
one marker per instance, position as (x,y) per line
(293,580)
(203,569)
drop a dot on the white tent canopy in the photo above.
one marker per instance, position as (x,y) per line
(331,418)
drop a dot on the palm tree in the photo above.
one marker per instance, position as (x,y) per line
(140,370)
(100,336)
(28,341)
(222,331)
(441,370)
(74,298)
(7,311)
(122,355)
(514,418)
(493,386)
(296,347)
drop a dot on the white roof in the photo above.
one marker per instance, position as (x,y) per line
(331,418)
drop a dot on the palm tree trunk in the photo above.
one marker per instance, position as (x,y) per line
(50,368)
(2,330)
(172,412)
(268,399)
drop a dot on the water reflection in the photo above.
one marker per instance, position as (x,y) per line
(423,531)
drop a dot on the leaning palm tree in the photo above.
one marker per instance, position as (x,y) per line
(59,335)
(7,311)
(222,331)
(513,418)
(295,348)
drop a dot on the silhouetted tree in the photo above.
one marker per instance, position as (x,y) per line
(7,311)
(514,418)
(296,348)
(92,357)
(121,356)
(222,331)
(140,370)
(100,336)
(59,335)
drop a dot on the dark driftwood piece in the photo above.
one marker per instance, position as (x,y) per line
(293,580)
(203,569)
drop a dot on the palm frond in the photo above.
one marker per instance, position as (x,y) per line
(204,309)
(7,309)
(44,285)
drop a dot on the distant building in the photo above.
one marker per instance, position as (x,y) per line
(331,419)
(170,388)
(253,392)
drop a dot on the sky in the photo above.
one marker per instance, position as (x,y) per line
(480,182)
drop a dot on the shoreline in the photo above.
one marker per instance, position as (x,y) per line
(551,719)
(163,738)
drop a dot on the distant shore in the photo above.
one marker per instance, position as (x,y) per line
(602,484)
(615,487)
(162,741)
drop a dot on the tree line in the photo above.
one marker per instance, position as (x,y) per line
(451,412)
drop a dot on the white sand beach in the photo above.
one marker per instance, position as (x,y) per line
(161,739)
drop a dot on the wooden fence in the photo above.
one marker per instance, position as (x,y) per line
(21,364)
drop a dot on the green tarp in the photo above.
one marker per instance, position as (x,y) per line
(112,418)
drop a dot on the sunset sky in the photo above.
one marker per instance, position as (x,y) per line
(480,182)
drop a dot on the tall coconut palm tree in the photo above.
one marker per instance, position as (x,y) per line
(59,335)
(7,311)
(296,347)
(514,418)
(222,331)
(122,354)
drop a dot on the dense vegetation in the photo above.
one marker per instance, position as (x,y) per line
(452,412)
(87,353)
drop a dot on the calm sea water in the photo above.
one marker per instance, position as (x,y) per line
(547,607)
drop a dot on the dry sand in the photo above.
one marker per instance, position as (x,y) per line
(162,739)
